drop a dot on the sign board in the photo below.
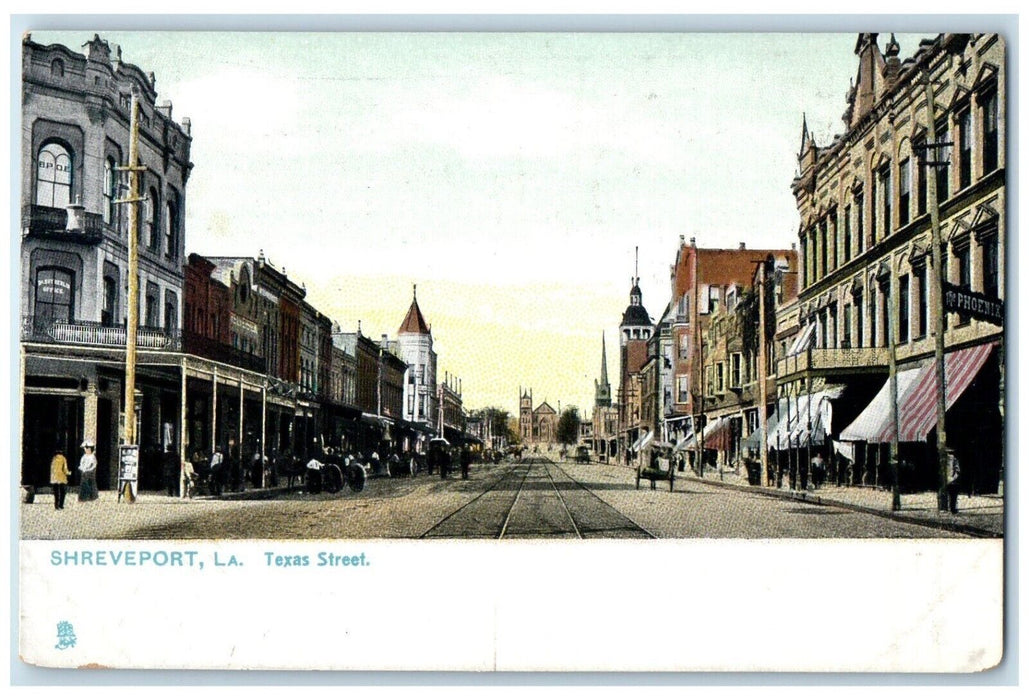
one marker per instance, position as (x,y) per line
(964,301)
(128,464)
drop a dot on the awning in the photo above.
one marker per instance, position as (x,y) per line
(716,434)
(794,413)
(803,341)
(916,398)
(641,443)
(753,441)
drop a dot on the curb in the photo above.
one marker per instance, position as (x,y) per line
(962,528)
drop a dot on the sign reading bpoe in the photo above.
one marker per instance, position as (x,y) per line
(965,301)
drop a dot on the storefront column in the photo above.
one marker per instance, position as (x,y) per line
(239,439)
(214,410)
(89,412)
(264,416)
(182,432)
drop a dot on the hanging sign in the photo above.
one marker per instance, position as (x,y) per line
(964,301)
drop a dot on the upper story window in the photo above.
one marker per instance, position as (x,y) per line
(904,204)
(53,176)
(904,309)
(55,294)
(859,219)
(713,297)
(109,310)
(109,190)
(153,235)
(171,227)
(846,233)
(943,158)
(886,185)
(922,190)
(57,68)
(990,131)
(991,264)
(965,149)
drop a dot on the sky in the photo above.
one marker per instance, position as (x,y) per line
(510,176)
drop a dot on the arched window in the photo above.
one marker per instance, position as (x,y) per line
(109,191)
(55,294)
(152,228)
(171,227)
(53,176)
(57,68)
(171,313)
(109,312)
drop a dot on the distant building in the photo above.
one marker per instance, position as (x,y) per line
(537,426)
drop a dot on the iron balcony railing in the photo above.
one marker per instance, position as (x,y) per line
(51,222)
(37,329)
(202,346)
(832,358)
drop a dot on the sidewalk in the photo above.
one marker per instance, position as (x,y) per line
(978,516)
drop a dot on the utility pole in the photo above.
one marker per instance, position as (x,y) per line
(762,370)
(892,334)
(132,321)
(937,288)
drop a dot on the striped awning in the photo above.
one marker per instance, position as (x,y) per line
(916,398)
(716,434)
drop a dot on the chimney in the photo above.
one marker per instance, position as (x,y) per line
(693,241)
(186,125)
(743,245)
(75,215)
(793,245)
(165,108)
(682,239)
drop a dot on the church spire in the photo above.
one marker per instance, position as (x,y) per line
(603,359)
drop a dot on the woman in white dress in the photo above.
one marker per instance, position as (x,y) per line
(87,465)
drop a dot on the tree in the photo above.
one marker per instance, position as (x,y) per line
(568,426)
(498,421)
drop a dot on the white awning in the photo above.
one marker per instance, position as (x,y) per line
(803,419)
(641,443)
(803,340)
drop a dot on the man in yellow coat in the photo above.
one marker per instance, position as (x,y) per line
(59,474)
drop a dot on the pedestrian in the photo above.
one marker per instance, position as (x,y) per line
(188,479)
(953,480)
(172,471)
(217,471)
(314,475)
(817,470)
(59,474)
(466,461)
(87,465)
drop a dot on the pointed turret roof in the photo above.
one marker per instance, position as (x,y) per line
(414,322)
(603,360)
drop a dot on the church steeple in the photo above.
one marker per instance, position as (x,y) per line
(602,388)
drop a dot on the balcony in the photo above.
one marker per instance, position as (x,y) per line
(35,329)
(202,346)
(822,359)
(51,223)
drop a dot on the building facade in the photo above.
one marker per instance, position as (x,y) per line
(74,253)
(866,206)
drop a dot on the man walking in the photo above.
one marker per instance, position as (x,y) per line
(953,480)
(59,474)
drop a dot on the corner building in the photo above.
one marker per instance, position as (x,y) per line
(74,256)
(866,250)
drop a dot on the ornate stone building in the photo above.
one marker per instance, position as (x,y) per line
(866,205)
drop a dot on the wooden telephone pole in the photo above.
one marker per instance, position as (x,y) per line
(128,487)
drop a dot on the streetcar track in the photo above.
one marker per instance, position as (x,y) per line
(509,473)
(590,491)
(564,503)
(507,518)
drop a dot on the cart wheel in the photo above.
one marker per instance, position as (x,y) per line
(355,479)
(333,478)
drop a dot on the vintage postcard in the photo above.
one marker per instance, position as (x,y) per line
(507,351)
